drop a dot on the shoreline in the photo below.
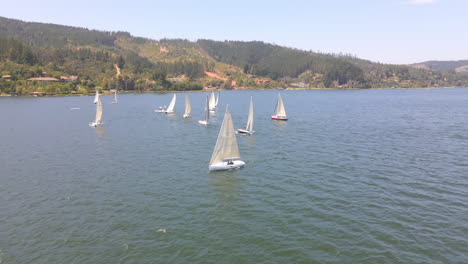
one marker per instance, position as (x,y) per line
(218,90)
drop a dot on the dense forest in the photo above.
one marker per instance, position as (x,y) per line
(59,60)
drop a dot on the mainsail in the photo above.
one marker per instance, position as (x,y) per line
(98,111)
(96,97)
(212,102)
(170,108)
(250,119)
(188,108)
(279,109)
(115,96)
(207,110)
(226,145)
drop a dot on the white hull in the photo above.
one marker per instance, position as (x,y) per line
(169,112)
(186,116)
(203,122)
(114,102)
(225,166)
(242,131)
(94,124)
(160,111)
(213,109)
(276,117)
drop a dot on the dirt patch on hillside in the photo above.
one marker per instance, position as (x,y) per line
(215,75)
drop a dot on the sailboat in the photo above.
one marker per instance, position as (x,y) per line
(96,97)
(250,120)
(213,102)
(207,113)
(97,121)
(217,99)
(170,108)
(115,97)
(188,108)
(279,113)
(226,152)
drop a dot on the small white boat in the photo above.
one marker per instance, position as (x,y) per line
(169,109)
(188,108)
(96,97)
(97,121)
(207,113)
(250,120)
(280,112)
(212,103)
(226,152)
(115,97)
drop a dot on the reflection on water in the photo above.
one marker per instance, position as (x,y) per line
(280,124)
(100,130)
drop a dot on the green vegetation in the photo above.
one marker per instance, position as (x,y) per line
(83,60)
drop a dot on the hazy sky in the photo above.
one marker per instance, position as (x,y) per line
(389,31)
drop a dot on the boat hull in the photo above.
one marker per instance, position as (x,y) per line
(203,122)
(186,116)
(242,131)
(160,111)
(225,166)
(94,124)
(282,118)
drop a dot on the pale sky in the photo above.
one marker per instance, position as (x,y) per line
(388,31)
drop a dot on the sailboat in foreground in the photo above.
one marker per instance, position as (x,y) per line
(115,97)
(226,152)
(207,113)
(280,112)
(170,108)
(250,120)
(188,108)
(97,121)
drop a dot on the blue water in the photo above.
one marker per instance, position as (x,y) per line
(361,176)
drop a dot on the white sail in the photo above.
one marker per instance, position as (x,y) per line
(188,108)
(206,113)
(212,102)
(170,108)
(279,109)
(226,145)
(217,99)
(115,96)
(98,111)
(207,110)
(250,119)
(96,97)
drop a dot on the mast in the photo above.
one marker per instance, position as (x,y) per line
(226,145)
(250,119)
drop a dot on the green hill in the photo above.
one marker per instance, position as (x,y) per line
(33,54)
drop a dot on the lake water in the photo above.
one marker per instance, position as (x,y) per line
(362,176)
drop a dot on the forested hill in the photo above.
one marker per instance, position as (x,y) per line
(446,66)
(55,59)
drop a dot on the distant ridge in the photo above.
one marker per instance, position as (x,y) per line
(445,66)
